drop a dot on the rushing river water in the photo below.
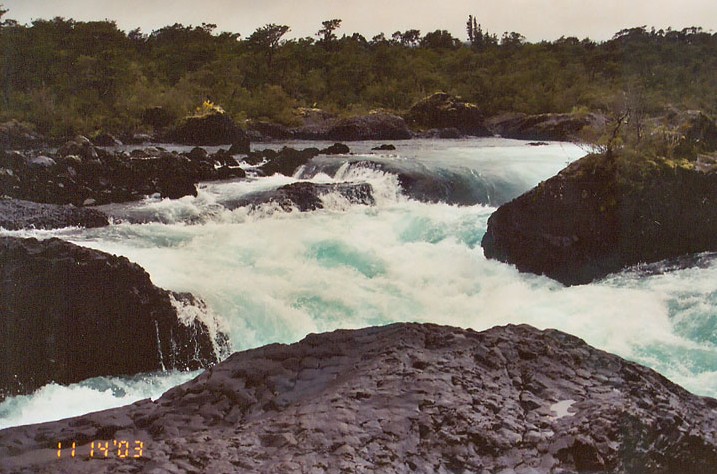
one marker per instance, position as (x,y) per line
(275,276)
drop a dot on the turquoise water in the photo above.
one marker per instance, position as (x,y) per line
(275,276)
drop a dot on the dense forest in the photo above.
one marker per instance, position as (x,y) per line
(67,76)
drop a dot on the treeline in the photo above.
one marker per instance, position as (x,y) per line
(66,76)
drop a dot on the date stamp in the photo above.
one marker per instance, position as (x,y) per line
(101,449)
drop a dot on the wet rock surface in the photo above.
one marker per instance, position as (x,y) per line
(68,313)
(81,174)
(306,196)
(399,398)
(16,214)
(604,213)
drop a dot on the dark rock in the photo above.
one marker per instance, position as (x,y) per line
(270,131)
(158,117)
(377,126)
(444,111)
(101,176)
(16,214)
(41,161)
(72,313)
(240,148)
(306,196)
(316,124)
(336,149)
(604,213)
(559,127)
(254,158)
(105,139)
(209,129)
(287,161)
(79,146)
(19,135)
(384,148)
(139,138)
(198,154)
(399,398)
(451,132)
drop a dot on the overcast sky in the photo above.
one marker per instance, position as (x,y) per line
(535,19)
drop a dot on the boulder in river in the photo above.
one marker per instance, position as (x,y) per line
(606,212)
(306,196)
(558,127)
(16,214)
(444,111)
(213,128)
(70,313)
(398,398)
(376,126)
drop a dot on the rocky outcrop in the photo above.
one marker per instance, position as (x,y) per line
(378,126)
(287,160)
(213,128)
(157,117)
(70,313)
(82,174)
(606,212)
(16,214)
(558,127)
(19,135)
(399,398)
(444,111)
(305,196)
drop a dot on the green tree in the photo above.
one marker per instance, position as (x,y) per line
(326,33)
(267,40)
(440,39)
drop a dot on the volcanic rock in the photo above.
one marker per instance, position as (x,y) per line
(606,212)
(399,398)
(306,196)
(444,111)
(19,135)
(558,127)
(16,214)
(377,126)
(70,313)
(287,160)
(213,128)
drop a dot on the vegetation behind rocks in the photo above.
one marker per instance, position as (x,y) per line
(67,77)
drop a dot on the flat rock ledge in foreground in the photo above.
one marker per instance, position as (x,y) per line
(400,398)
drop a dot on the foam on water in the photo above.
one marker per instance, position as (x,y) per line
(55,402)
(275,276)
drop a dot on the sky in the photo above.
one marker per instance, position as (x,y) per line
(536,19)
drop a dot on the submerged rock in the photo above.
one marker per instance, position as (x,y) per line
(70,313)
(399,398)
(306,196)
(603,213)
(16,214)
